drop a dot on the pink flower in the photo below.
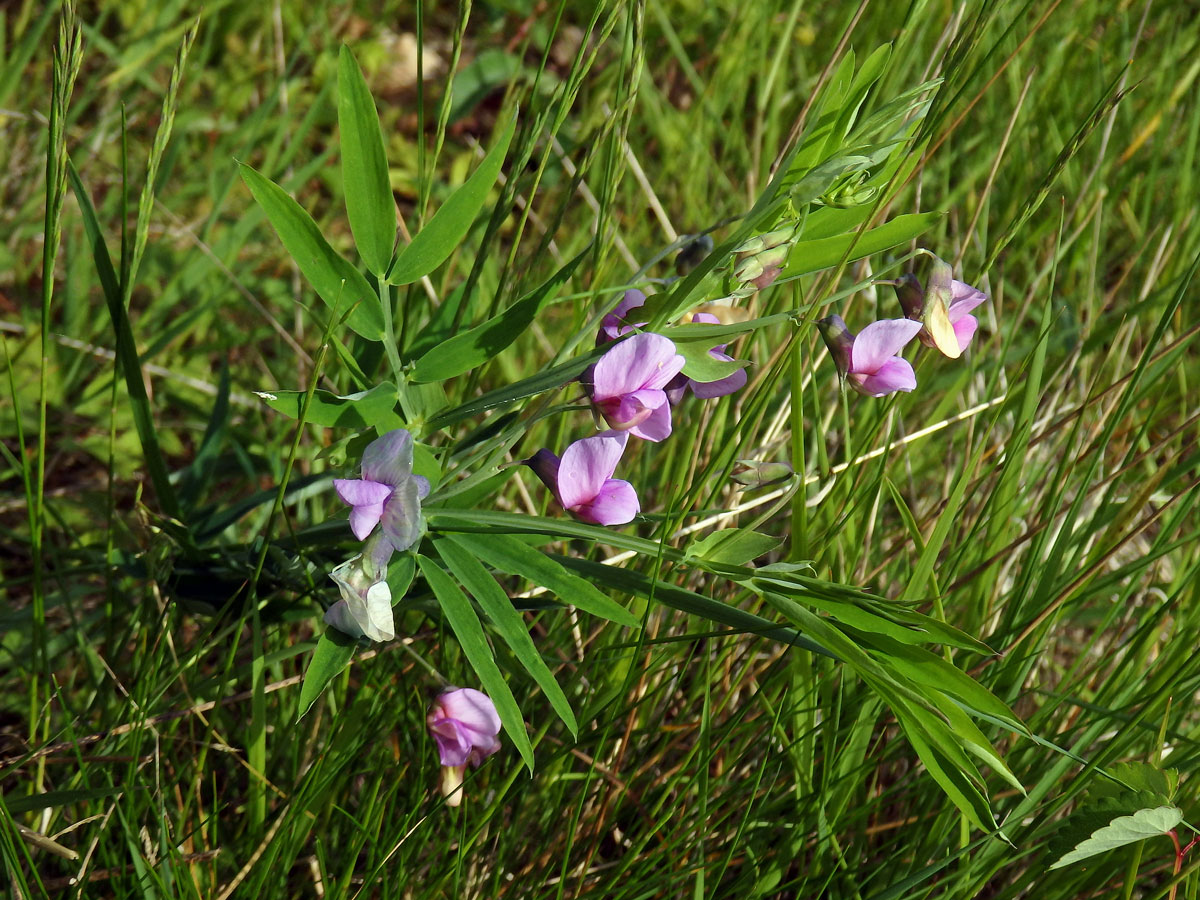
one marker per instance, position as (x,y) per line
(870,360)
(959,299)
(628,382)
(388,493)
(616,323)
(464,723)
(582,480)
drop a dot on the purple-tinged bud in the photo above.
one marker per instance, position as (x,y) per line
(692,254)
(757,474)
(767,278)
(911,296)
(839,340)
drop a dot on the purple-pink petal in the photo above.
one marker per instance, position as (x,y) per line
(879,342)
(642,361)
(656,426)
(388,459)
(586,465)
(964,298)
(615,504)
(472,708)
(964,330)
(615,324)
(896,374)
(366,500)
(401,519)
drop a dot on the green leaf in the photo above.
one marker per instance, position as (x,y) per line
(333,653)
(369,203)
(825,253)
(701,365)
(733,546)
(449,225)
(546,380)
(375,408)
(1123,830)
(461,616)
(339,284)
(463,352)
(507,622)
(54,799)
(506,553)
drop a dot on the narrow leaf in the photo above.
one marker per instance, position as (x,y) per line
(506,553)
(339,284)
(442,234)
(461,616)
(472,348)
(733,546)
(369,203)
(825,253)
(333,653)
(507,622)
(365,409)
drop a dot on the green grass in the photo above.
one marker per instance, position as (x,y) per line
(1037,494)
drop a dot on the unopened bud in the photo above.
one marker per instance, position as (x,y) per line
(839,340)
(758,474)
(910,295)
(781,235)
(693,253)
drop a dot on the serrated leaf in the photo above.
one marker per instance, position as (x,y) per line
(506,553)
(507,622)
(733,546)
(369,204)
(465,624)
(472,348)
(336,281)
(1124,830)
(375,408)
(442,234)
(332,654)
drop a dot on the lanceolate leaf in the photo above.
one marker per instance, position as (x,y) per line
(476,346)
(332,654)
(461,616)
(369,202)
(825,253)
(510,555)
(365,409)
(507,622)
(339,284)
(449,225)
(1143,824)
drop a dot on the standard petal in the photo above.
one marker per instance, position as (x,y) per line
(473,709)
(615,504)
(388,459)
(402,515)
(656,427)
(642,361)
(963,299)
(586,465)
(964,330)
(880,341)
(894,375)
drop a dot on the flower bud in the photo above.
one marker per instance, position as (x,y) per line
(839,340)
(911,297)
(757,474)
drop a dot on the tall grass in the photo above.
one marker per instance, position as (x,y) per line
(1038,494)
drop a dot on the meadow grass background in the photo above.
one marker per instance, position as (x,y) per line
(1057,495)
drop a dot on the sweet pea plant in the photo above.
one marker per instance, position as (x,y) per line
(421,497)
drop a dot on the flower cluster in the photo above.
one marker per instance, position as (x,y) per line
(938,315)
(388,495)
(632,388)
